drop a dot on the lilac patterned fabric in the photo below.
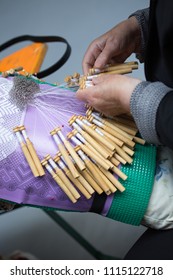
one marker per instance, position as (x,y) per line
(51,107)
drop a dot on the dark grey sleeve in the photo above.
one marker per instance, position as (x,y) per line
(144,104)
(142,17)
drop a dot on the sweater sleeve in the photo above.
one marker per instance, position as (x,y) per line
(142,17)
(148,107)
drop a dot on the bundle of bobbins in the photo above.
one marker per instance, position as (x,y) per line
(85,81)
(89,156)
(16,71)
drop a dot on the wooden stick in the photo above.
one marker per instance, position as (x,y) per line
(139,140)
(133,65)
(114,161)
(26,152)
(112,138)
(94,156)
(59,181)
(63,177)
(97,175)
(128,150)
(95,135)
(123,154)
(114,181)
(129,130)
(91,181)
(78,143)
(65,155)
(71,150)
(125,70)
(117,171)
(90,140)
(32,151)
(113,126)
(75,181)
(119,158)
(86,174)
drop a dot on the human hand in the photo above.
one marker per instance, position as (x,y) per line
(116,45)
(110,94)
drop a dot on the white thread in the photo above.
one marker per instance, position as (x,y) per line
(57,141)
(19,136)
(76,126)
(80,137)
(61,135)
(49,168)
(53,164)
(24,134)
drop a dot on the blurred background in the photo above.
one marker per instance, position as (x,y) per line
(79,22)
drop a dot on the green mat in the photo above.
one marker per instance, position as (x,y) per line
(129,207)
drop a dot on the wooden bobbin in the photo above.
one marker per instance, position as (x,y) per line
(66,157)
(89,178)
(92,155)
(96,174)
(86,185)
(59,181)
(107,162)
(108,178)
(27,154)
(64,178)
(75,181)
(127,129)
(112,138)
(115,133)
(119,158)
(94,134)
(92,142)
(72,152)
(33,153)
(109,123)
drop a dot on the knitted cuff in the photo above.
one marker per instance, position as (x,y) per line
(144,103)
(142,17)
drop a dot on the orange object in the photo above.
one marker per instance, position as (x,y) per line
(29,57)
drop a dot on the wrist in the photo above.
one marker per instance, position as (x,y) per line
(128,90)
(135,33)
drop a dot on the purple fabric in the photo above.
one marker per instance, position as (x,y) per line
(54,108)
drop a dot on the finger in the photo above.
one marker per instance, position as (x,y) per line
(90,57)
(100,79)
(105,56)
(82,94)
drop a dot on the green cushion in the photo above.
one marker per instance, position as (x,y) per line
(130,206)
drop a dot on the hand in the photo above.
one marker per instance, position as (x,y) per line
(110,94)
(114,46)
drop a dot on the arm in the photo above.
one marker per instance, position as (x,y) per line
(142,17)
(151,106)
(149,103)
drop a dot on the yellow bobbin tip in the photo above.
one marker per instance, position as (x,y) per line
(52,132)
(44,162)
(47,157)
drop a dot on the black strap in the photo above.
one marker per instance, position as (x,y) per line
(43,39)
(98,203)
